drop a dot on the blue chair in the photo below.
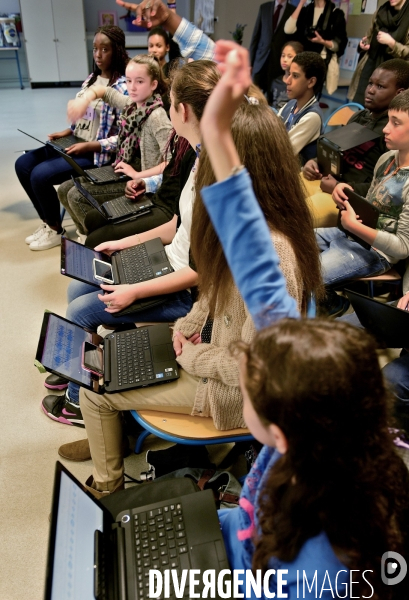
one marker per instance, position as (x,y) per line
(184,429)
(342,114)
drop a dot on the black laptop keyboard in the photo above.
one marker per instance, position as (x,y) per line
(160,541)
(136,264)
(65,142)
(122,206)
(134,357)
(102,174)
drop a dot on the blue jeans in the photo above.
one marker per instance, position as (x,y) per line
(38,171)
(342,258)
(85,309)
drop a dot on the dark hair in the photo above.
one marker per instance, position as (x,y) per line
(319,381)
(265,149)
(193,83)
(400,68)
(400,102)
(154,70)
(160,31)
(313,66)
(120,56)
(296,46)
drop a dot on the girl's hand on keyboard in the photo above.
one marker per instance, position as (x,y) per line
(135,188)
(117,297)
(110,247)
(123,167)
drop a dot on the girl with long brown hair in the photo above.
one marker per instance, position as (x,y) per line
(326,504)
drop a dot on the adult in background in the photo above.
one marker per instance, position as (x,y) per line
(388,37)
(320,27)
(267,42)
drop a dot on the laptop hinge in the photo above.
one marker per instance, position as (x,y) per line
(119,541)
(107,360)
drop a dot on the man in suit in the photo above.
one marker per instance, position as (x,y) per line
(267,41)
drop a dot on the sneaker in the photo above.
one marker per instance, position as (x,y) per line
(36,235)
(49,239)
(59,408)
(55,382)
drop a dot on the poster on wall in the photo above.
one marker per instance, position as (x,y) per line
(350,57)
(204,15)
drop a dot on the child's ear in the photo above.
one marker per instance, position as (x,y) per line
(278,438)
(311,82)
(167,48)
(400,90)
(154,84)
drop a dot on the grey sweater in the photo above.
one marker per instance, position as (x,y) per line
(155,132)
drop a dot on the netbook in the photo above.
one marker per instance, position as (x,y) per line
(121,361)
(92,556)
(132,265)
(367,213)
(332,146)
(97,175)
(390,325)
(118,210)
(61,143)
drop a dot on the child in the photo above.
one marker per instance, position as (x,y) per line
(289,51)
(317,503)
(342,258)
(158,46)
(40,170)
(142,138)
(302,115)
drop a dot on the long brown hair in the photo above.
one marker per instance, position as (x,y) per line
(320,382)
(265,150)
(193,83)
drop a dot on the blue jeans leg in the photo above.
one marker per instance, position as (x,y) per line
(38,171)
(88,311)
(397,374)
(343,259)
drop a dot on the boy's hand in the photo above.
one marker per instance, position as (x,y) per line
(338,194)
(349,218)
(123,167)
(328,184)
(134,188)
(151,12)
(311,171)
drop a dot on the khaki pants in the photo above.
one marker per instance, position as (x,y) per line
(322,206)
(104,427)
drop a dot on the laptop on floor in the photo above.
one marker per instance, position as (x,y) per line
(390,325)
(132,265)
(118,210)
(92,556)
(97,175)
(61,143)
(368,214)
(331,147)
(123,360)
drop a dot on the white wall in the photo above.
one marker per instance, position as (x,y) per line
(9,6)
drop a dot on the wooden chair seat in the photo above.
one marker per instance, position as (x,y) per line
(392,277)
(184,429)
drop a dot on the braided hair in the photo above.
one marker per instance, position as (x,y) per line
(120,56)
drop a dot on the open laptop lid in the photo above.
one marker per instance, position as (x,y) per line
(71,562)
(390,325)
(350,136)
(89,197)
(77,261)
(70,160)
(60,351)
(32,137)
(368,214)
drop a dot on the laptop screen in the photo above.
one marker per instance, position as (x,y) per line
(77,261)
(73,566)
(62,347)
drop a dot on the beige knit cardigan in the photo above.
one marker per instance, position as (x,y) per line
(218,394)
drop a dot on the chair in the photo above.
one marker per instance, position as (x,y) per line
(342,114)
(184,429)
(391,277)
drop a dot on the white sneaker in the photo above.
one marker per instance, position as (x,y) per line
(36,235)
(49,239)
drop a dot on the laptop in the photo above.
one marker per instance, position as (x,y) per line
(92,556)
(390,325)
(61,143)
(332,146)
(368,214)
(121,361)
(118,210)
(97,175)
(132,265)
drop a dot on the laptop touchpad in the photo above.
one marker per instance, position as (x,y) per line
(160,353)
(157,258)
(204,556)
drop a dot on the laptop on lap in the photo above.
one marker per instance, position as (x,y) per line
(92,556)
(61,143)
(368,214)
